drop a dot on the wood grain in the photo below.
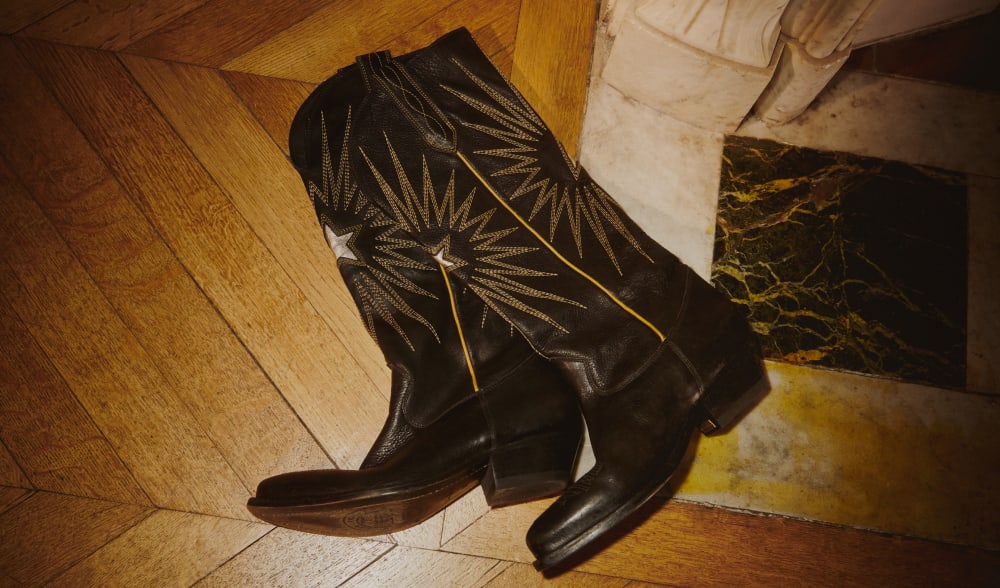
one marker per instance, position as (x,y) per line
(426,535)
(492,23)
(332,395)
(499,533)
(101,360)
(263,187)
(188,547)
(552,56)
(57,444)
(115,379)
(46,534)
(693,545)
(406,566)
(267,192)
(497,40)
(315,48)
(14,16)
(11,474)
(518,575)
(108,24)
(219,382)
(462,513)
(289,558)
(10,497)
(272,101)
(219,31)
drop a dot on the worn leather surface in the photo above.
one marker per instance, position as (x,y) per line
(398,287)
(464,382)
(449,149)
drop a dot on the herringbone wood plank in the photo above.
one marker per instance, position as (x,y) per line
(187,547)
(174,328)
(12,477)
(408,566)
(10,497)
(14,16)
(226,391)
(219,31)
(693,545)
(517,575)
(55,531)
(113,376)
(234,267)
(53,438)
(272,101)
(109,24)
(288,558)
(250,168)
(314,48)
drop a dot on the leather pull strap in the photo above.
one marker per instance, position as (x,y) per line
(382,72)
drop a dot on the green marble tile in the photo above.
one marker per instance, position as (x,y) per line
(846,262)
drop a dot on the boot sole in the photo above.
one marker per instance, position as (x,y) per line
(538,466)
(369,516)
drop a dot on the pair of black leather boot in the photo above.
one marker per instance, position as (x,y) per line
(508,293)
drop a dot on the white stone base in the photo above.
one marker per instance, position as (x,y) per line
(690,85)
(663,172)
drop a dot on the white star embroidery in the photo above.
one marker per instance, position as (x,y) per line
(340,243)
(439,257)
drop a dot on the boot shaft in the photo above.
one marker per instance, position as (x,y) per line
(440,341)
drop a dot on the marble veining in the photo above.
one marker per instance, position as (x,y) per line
(846,262)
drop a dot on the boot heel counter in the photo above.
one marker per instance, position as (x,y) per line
(738,387)
(537,432)
(532,468)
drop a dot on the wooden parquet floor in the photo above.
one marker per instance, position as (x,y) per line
(174,328)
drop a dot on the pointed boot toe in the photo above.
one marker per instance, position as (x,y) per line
(519,441)
(642,437)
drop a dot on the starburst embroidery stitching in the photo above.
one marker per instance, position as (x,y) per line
(520,132)
(495,275)
(345,213)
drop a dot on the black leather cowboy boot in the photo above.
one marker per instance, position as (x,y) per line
(470,400)
(452,152)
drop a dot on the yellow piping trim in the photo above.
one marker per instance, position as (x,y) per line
(458,325)
(549,246)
